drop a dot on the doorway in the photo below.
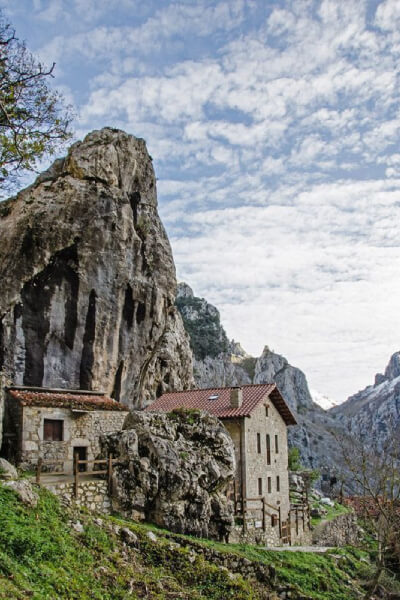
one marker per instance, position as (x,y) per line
(81,453)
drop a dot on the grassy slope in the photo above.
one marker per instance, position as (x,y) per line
(332,512)
(41,557)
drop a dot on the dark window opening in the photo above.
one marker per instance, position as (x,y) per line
(259,486)
(278,484)
(269,483)
(266,411)
(258,443)
(268,449)
(274,520)
(53,430)
(276,444)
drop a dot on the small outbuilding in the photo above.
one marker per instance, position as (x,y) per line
(56,425)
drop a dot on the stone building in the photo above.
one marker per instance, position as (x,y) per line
(56,424)
(257,417)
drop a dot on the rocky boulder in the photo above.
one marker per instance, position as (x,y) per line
(173,471)
(7,470)
(24,490)
(88,278)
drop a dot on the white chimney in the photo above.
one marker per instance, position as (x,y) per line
(236,397)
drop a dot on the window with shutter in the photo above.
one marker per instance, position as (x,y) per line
(53,430)
(268,441)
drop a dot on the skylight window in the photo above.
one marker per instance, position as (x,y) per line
(213,397)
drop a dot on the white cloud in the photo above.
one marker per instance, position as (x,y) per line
(274,128)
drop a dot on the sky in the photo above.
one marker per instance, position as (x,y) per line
(274,129)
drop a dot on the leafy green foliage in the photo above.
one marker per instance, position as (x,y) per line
(33,118)
(249,365)
(294,459)
(207,336)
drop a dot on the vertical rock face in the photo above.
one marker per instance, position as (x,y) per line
(88,280)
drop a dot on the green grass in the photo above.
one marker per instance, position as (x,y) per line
(332,576)
(332,512)
(43,558)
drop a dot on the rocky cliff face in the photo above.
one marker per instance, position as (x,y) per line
(233,366)
(88,279)
(173,470)
(375,411)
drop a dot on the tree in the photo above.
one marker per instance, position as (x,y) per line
(373,472)
(34,121)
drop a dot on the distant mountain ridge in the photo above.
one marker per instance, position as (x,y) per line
(220,362)
(375,410)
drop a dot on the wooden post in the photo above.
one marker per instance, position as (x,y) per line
(264,515)
(39,470)
(76,474)
(297,521)
(244,514)
(234,496)
(280,522)
(110,468)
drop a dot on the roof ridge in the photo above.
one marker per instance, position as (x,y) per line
(222,387)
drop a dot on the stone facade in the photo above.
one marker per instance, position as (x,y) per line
(81,419)
(80,430)
(254,476)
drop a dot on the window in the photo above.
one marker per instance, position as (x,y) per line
(266,411)
(53,430)
(278,484)
(259,486)
(259,443)
(274,520)
(276,444)
(269,482)
(268,449)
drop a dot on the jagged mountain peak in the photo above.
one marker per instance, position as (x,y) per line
(392,370)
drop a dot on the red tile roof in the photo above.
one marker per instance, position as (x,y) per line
(221,406)
(65,399)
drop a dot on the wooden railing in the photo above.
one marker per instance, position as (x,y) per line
(77,473)
(300,508)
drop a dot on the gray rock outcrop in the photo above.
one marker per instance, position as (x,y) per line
(7,470)
(24,490)
(173,470)
(88,279)
(374,413)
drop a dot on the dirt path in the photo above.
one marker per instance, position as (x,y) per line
(314,549)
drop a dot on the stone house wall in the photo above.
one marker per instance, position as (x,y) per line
(255,455)
(80,429)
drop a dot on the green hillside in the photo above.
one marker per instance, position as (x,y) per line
(44,556)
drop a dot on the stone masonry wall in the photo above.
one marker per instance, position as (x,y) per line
(92,494)
(80,429)
(341,531)
(256,462)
